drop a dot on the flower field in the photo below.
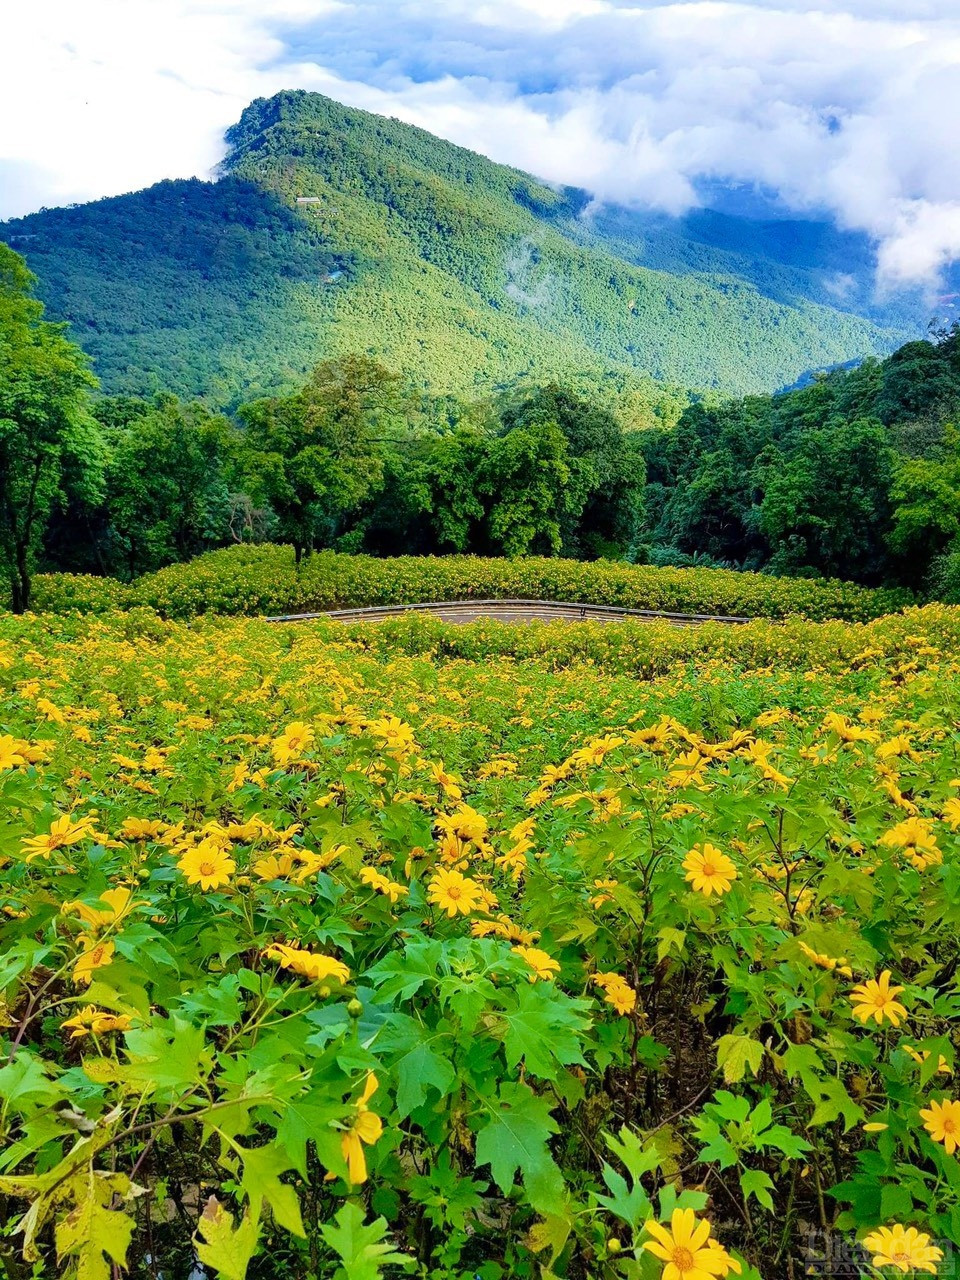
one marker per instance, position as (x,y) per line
(265,580)
(493,952)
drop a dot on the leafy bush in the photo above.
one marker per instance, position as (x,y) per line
(319,961)
(264,580)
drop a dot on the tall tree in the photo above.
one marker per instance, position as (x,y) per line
(315,456)
(50,444)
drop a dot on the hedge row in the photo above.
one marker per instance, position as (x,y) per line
(265,580)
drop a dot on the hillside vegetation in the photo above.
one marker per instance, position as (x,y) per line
(462,273)
(266,580)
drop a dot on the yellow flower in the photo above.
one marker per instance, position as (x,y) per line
(96,1022)
(119,902)
(617,992)
(141,829)
(917,840)
(687,770)
(453,892)
(309,964)
(382,884)
(445,781)
(365,1127)
(708,870)
(846,732)
(942,1121)
(875,999)
(830,963)
(96,957)
(63,832)
(951,813)
(903,1247)
(543,965)
(293,742)
(688,1249)
(393,734)
(10,752)
(208,865)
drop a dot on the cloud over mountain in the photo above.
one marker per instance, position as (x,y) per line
(847,107)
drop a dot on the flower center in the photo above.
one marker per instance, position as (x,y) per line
(682,1259)
(96,955)
(207,869)
(900,1257)
(454,893)
(949,1125)
(709,869)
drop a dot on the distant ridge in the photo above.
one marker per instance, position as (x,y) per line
(333,230)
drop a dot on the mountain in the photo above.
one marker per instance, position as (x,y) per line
(334,230)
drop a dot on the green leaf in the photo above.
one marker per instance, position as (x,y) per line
(226,1250)
(737,1053)
(542,1030)
(419,1065)
(91,1232)
(169,1055)
(361,1249)
(835,1102)
(515,1138)
(754,1182)
(262,1167)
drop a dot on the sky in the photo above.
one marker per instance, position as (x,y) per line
(847,107)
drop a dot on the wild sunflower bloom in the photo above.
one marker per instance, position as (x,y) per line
(942,1121)
(543,965)
(903,1247)
(208,865)
(688,1249)
(617,992)
(309,964)
(63,832)
(293,742)
(454,893)
(11,756)
(708,870)
(838,964)
(875,999)
(119,903)
(96,1022)
(382,884)
(96,957)
(141,829)
(915,837)
(364,1127)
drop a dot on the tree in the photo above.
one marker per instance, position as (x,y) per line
(527,475)
(826,506)
(167,488)
(926,509)
(50,445)
(316,455)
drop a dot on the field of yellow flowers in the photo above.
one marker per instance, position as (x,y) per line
(452,953)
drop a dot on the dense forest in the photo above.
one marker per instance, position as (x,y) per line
(856,475)
(333,231)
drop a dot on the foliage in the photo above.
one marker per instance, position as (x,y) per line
(327,962)
(854,474)
(49,444)
(465,274)
(266,580)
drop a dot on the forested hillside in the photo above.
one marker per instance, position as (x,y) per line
(337,231)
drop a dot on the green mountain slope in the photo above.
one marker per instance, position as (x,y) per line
(334,230)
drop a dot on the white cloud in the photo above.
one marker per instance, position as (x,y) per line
(848,106)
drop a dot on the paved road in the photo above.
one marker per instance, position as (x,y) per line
(522,611)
